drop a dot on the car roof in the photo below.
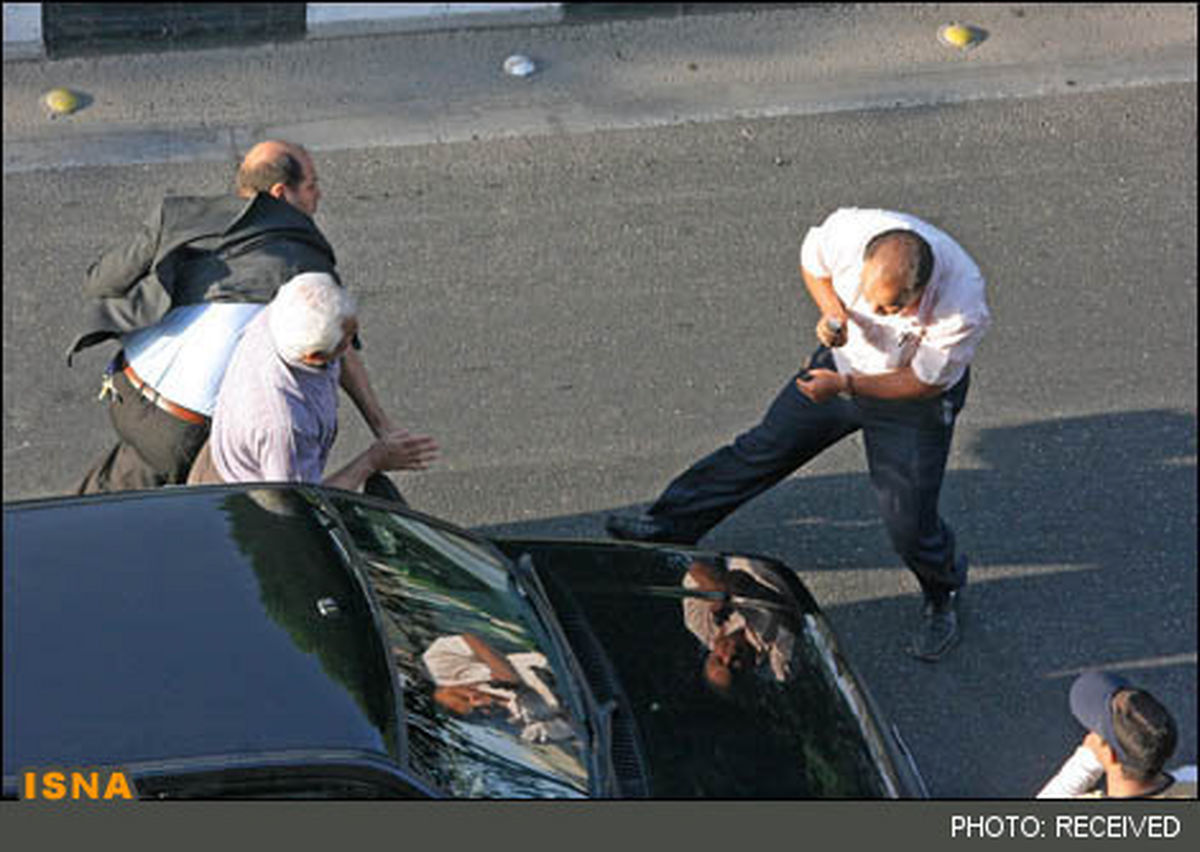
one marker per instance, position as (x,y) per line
(183,623)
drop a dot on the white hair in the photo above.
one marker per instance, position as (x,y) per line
(307,315)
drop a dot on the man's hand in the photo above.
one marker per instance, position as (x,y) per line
(1094,743)
(832,330)
(821,385)
(399,450)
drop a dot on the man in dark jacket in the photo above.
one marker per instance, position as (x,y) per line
(179,293)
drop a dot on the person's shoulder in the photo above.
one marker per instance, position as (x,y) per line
(1179,790)
(872,217)
(843,232)
(185,214)
(1182,786)
(951,260)
(257,333)
(846,217)
(938,237)
(267,210)
(862,223)
(265,214)
(447,646)
(190,205)
(253,372)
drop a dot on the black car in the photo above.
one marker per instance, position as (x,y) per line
(280,641)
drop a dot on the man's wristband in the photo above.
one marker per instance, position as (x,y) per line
(849,392)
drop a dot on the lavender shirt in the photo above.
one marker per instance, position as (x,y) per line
(275,421)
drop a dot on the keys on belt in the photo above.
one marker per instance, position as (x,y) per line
(107,389)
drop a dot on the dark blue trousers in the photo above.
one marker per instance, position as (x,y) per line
(907,444)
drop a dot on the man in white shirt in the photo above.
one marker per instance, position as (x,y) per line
(902,312)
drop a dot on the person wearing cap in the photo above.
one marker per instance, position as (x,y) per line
(903,310)
(276,413)
(1130,736)
(178,295)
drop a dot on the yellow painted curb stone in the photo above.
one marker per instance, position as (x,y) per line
(958,35)
(61,101)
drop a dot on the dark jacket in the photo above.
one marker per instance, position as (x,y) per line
(191,250)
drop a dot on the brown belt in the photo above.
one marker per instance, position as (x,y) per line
(177,411)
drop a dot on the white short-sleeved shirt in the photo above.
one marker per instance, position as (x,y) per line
(940,340)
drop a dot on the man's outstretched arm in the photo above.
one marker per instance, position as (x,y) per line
(396,450)
(357,385)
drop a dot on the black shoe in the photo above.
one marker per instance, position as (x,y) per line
(938,632)
(642,527)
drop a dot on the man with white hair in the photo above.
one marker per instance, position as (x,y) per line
(276,413)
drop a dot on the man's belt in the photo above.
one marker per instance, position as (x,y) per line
(176,411)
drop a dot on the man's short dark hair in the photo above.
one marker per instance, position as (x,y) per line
(260,177)
(1145,731)
(918,254)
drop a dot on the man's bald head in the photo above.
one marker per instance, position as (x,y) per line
(280,169)
(897,265)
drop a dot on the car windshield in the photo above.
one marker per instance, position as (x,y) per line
(485,709)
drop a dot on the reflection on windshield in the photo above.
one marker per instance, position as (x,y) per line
(776,669)
(741,634)
(484,712)
(473,680)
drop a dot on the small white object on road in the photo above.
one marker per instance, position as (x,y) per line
(519,66)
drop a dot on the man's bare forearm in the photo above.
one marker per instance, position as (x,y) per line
(357,385)
(821,385)
(354,474)
(822,293)
(899,384)
(502,671)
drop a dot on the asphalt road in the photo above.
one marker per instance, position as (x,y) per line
(578,316)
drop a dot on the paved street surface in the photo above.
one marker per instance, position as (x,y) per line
(581,282)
